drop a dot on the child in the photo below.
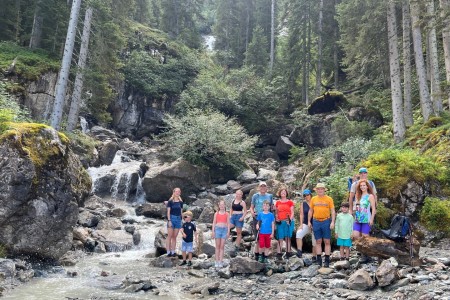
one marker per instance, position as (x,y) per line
(266,228)
(187,231)
(343,230)
(221,232)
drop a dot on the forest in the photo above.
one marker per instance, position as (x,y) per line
(270,61)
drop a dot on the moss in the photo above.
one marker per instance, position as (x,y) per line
(392,169)
(3,251)
(383,216)
(31,142)
(435,215)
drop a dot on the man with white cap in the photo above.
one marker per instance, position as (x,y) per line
(351,199)
(257,206)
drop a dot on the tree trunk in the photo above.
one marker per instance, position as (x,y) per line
(272,36)
(445,6)
(63,78)
(319,50)
(394,67)
(425,102)
(407,103)
(36,31)
(434,60)
(72,118)
(308,53)
(17,23)
(336,50)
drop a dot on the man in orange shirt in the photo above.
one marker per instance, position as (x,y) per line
(323,216)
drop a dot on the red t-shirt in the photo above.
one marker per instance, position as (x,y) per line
(284,209)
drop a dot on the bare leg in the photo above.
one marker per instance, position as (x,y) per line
(300,244)
(222,249)
(217,252)
(174,239)
(190,256)
(184,255)
(319,247)
(239,236)
(342,251)
(327,246)
(169,239)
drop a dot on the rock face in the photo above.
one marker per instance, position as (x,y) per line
(159,181)
(42,183)
(317,134)
(39,96)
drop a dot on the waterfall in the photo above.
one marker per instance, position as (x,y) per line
(84,125)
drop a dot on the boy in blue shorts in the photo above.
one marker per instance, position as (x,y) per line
(343,230)
(187,231)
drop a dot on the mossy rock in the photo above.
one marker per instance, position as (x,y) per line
(327,102)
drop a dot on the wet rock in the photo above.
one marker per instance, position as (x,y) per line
(99,248)
(360,281)
(25,275)
(130,228)
(387,272)
(80,234)
(88,219)
(7,267)
(136,238)
(165,262)
(398,284)
(109,224)
(245,265)
(116,212)
(115,240)
(71,258)
(107,153)
(152,210)
(133,288)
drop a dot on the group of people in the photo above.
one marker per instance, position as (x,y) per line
(276,219)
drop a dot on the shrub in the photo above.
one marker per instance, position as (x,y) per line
(435,215)
(383,216)
(296,153)
(208,138)
(350,129)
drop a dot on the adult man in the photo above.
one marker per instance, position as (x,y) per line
(351,199)
(323,216)
(257,206)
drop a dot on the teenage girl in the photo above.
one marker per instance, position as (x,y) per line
(174,209)
(238,212)
(221,232)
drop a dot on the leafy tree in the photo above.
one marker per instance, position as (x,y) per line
(208,138)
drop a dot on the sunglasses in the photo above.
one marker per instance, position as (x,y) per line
(185,217)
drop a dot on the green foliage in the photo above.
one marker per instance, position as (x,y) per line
(3,251)
(356,149)
(383,216)
(257,54)
(295,153)
(10,109)
(392,169)
(337,186)
(350,129)
(208,138)
(30,64)
(435,215)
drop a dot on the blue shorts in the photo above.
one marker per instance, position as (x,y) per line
(344,242)
(176,222)
(187,247)
(285,230)
(220,232)
(235,220)
(322,229)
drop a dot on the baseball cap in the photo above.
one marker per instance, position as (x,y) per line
(363,170)
(306,192)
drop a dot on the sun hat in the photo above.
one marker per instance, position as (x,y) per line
(306,192)
(363,170)
(320,185)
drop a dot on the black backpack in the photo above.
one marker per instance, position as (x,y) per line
(400,228)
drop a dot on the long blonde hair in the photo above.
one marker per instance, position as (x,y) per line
(175,197)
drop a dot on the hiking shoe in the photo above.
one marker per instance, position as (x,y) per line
(289,254)
(279,255)
(319,261)
(326,263)
(314,259)
(216,264)
(169,254)
(189,263)
(257,256)
(220,264)
(299,253)
(261,259)
(183,263)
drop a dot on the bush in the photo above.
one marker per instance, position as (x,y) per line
(383,216)
(435,215)
(350,129)
(10,110)
(208,139)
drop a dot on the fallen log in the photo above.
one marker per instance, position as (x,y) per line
(384,248)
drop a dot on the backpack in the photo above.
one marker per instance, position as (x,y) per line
(399,229)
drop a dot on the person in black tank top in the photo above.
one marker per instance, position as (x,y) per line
(238,212)
(303,228)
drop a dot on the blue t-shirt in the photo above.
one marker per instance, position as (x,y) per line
(175,207)
(258,200)
(265,226)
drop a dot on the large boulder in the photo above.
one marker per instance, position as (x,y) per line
(315,134)
(387,272)
(360,281)
(327,102)
(159,181)
(245,265)
(370,115)
(283,147)
(152,210)
(42,183)
(107,152)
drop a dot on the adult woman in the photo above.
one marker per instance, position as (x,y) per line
(220,232)
(174,209)
(365,209)
(238,212)
(284,221)
(303,228)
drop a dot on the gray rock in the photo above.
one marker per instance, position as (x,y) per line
(221,189)
(233,185)
(265,174)
(107,152)
(152,210)
(80,234)
(205,289)
(370,115)
(245,265)
(341,265)
(225,273)
(247,176)
(164,262)
(396,285)
(386,272)
(102,133)
(25,275)
(88,219)
(207,215)
(208,249)
(7,267)
(116,212)
(196,273)
(295,263)
(110,223)
(159,181)
(360,281)
(311,271)
(42,183)
(136,238)
(283,147)
(337,284)
(115,240)
(100,248)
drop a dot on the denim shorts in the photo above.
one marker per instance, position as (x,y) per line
(176,222)
(220,232)
(322,229)
(235,220)
(344,242)
(187,247)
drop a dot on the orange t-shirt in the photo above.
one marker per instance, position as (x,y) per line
(322,205)
(284,209)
